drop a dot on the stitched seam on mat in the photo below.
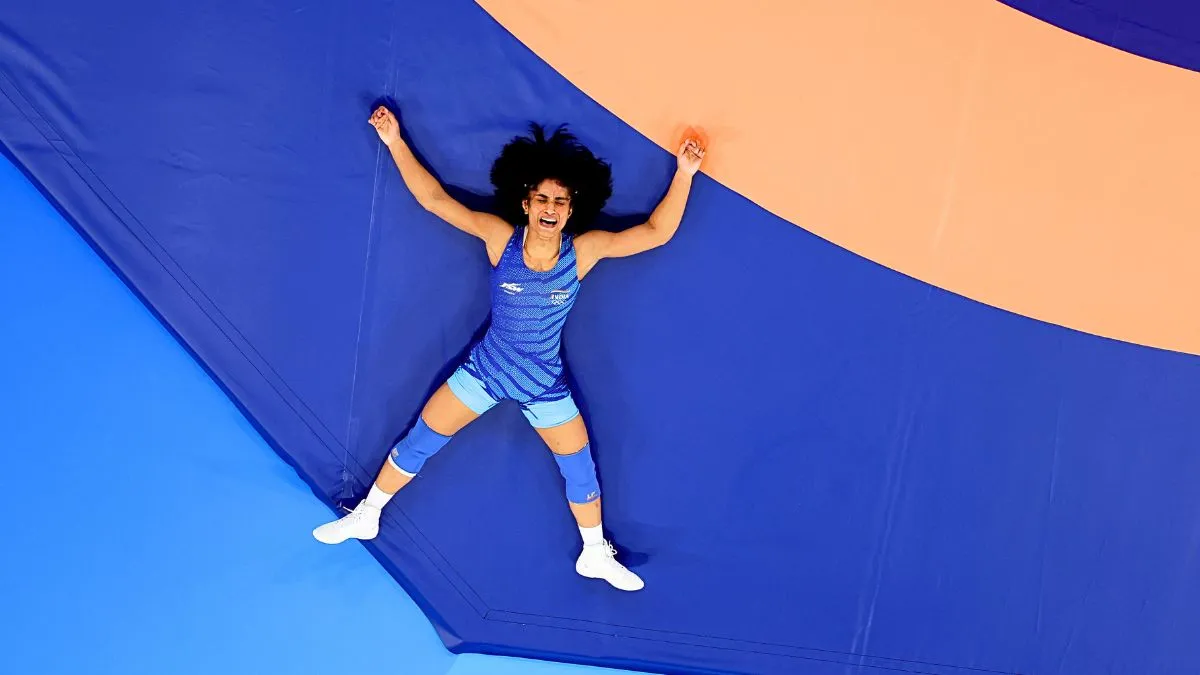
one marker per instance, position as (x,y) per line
(423,543)
(362,311)
(972,669)
(27,109)
(608,634)
(366,271)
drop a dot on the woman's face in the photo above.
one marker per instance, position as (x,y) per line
(548,208)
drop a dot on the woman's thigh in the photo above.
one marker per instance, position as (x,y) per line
(566,438)
(445,413)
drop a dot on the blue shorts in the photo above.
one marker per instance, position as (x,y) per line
(541,414)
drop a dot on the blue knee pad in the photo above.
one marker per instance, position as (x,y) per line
(579,474)
(418,445)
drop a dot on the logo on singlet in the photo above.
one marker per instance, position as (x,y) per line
(559,297)
(511,288)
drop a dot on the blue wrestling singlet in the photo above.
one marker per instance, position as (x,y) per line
(518,358)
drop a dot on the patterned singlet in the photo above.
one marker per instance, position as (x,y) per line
(518,358)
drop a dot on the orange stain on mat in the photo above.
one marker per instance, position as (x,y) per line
(957,141)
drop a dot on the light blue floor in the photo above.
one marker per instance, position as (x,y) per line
(149,528)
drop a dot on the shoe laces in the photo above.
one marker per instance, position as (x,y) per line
(606,551)
(358,513)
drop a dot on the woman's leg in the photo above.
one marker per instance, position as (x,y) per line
(443,416)
(573,453)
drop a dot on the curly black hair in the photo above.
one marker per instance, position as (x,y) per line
(526,161)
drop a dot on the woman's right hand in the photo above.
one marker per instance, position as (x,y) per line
(385,125)
(690,156)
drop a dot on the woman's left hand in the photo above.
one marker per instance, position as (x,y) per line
(690,155)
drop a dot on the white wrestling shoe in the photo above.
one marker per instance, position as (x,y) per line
(599,562)
(361,523)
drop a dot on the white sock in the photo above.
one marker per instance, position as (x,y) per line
(592,536)
(378,498)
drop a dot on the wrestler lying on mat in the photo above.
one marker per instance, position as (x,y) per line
(547,191)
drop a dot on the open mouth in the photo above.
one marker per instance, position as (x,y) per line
(548,222)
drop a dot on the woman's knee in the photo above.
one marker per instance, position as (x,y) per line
(443,416)
(579,475)
(417,446)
